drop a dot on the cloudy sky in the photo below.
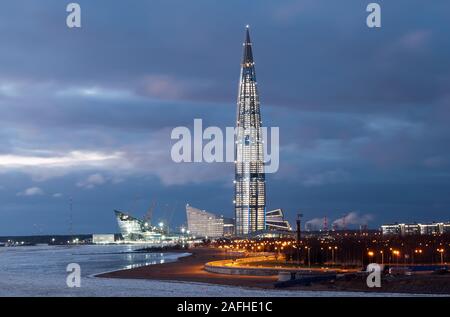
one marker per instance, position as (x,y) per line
(87,113)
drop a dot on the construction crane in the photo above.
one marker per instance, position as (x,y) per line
(169,211)
(325,224)
(149,214)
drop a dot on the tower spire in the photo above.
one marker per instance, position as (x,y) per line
(247,59)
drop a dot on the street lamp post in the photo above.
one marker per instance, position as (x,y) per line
(441,251)
(299,216)
(397,255)
(417,252)
(333,261)
(309,256)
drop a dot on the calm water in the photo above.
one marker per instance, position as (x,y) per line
(93,259)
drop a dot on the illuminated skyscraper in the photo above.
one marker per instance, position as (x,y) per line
(250,191)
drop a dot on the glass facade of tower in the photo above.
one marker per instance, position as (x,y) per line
(250,187)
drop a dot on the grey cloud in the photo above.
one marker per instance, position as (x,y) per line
(31,191)
(363,114)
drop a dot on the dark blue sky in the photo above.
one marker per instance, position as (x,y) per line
(87,113)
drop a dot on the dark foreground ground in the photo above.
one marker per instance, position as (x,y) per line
(190,269)
(416,284)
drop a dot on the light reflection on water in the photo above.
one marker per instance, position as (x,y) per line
(133,266)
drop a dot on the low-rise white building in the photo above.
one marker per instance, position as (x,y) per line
(103,238)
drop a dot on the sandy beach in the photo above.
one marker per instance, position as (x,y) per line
(190,269)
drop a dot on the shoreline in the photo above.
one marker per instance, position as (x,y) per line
(143,265)
(191,269)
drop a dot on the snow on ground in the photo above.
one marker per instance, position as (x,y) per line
(41,271)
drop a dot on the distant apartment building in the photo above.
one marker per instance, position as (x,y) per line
(208,225)
(403,229)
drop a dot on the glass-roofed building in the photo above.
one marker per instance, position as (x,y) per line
(133,229)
